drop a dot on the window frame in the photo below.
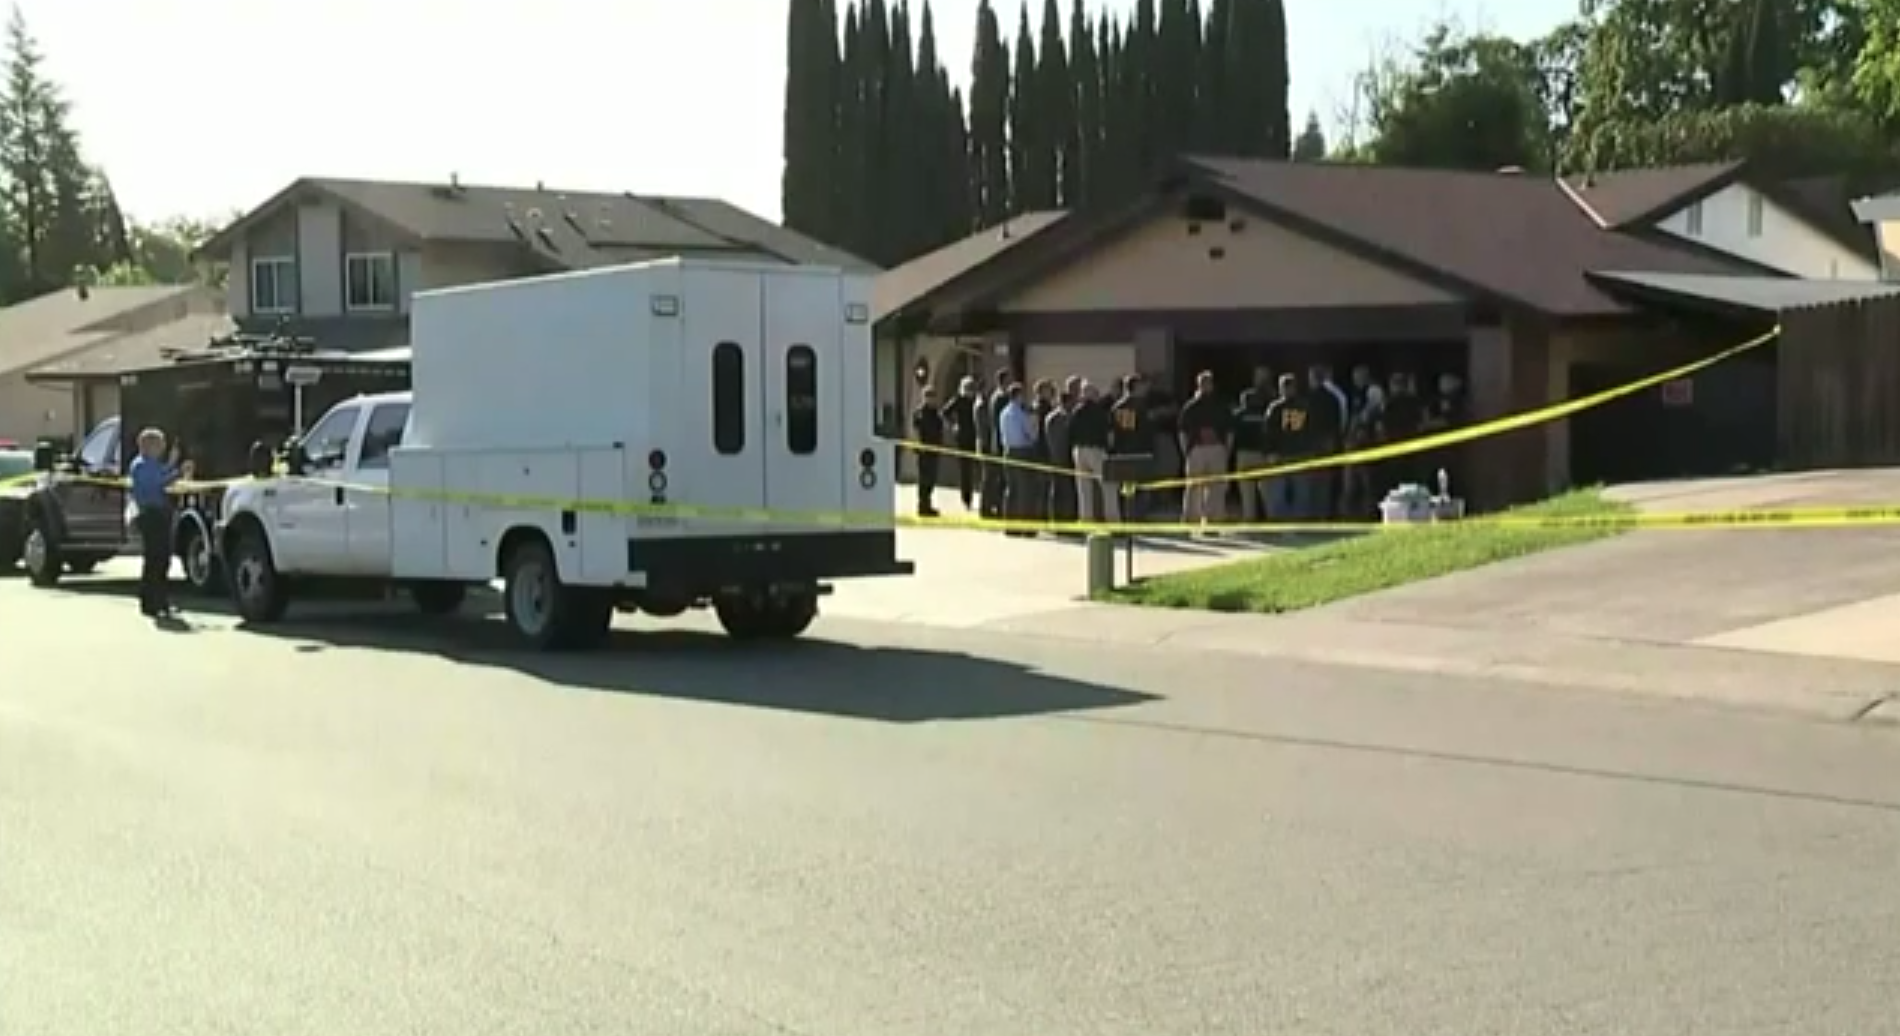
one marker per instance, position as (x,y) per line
(728,401)
(354,415)
(801,425)
(108,434)
(276,264)
(370,438)
(369,259)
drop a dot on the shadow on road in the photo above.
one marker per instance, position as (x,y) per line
(887,684)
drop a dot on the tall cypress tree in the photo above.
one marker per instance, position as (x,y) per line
(1086,70)
(1217,118)
(1055,101)
(902,165)
(1028,170)
(800,189)
(989,118)
(1275,75)
(853,139)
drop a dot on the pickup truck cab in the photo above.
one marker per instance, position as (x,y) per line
(328,519)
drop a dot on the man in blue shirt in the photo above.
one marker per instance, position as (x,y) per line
(1021,433)
(151,479)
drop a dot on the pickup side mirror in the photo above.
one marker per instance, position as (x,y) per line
(43,456)
(296,461)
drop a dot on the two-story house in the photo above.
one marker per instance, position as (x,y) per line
(1795,228)
(339,260)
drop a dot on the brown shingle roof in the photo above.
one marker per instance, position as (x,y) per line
(896,289)
(54,325)
(571,229)
(137,350)
(1513,238)
(1635,196)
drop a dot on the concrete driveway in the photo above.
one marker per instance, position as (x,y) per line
(1737,589)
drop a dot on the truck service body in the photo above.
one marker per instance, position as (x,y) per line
(215,404)
(553,422)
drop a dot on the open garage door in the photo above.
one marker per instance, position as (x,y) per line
(1104,365)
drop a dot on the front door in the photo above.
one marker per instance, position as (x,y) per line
(367,511)
(804,468)
(308,517)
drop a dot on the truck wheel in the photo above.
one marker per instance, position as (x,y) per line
(748,618)
(40,554)
(258,592)
(544,613)
(200,562)
(438,598)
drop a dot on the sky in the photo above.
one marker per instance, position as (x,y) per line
(203,107)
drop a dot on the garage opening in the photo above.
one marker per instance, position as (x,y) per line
(1239,366)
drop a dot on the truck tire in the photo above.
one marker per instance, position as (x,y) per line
(546,614)
(766,618)
(258,593)
(438,598)
(39,551)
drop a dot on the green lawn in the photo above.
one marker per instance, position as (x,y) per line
(1305,578)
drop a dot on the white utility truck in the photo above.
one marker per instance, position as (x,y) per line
(554,420)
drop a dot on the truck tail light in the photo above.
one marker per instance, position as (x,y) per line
(656,475)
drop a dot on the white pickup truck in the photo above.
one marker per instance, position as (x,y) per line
(539,404)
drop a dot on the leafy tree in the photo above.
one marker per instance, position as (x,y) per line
(1777,140)
(1461,102)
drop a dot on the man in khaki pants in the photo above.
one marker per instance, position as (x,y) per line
(1206,429)
(1088,445)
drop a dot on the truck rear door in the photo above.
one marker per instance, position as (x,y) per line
(803,389)
(719,461)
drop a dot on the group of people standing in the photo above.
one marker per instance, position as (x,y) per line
(1064,453)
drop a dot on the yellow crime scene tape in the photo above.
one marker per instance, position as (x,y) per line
(1804,517)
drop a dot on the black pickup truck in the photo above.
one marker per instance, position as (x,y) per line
(223,407)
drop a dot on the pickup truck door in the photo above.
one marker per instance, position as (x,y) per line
(367,509)
(94,511)
(310,532)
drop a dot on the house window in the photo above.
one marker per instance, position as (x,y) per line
(1754,215)
(370,279)
(1695,219)
(728,398)
(801,400)
(274,285)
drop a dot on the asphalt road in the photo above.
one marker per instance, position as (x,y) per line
(384,826)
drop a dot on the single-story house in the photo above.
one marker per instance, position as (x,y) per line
(74,328)
(1519,284)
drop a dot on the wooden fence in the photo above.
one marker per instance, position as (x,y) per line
(1838,402)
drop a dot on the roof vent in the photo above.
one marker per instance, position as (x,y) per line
(1511,170)
(455,181)
(540,186)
